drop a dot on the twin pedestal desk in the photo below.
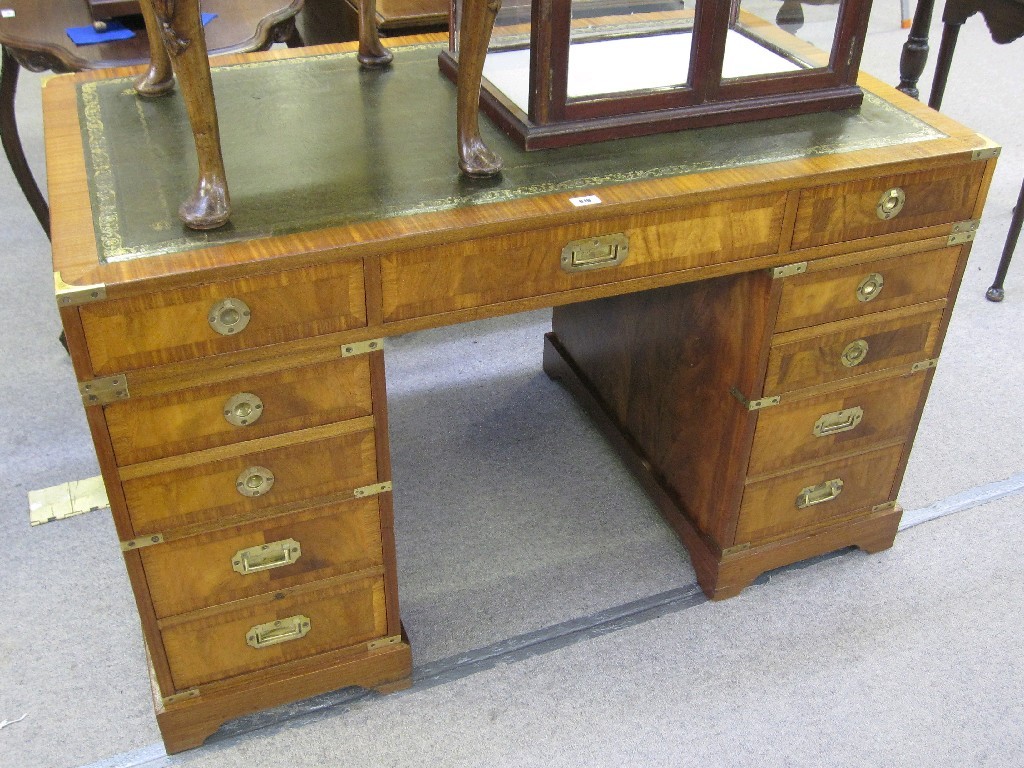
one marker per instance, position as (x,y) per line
(752,314)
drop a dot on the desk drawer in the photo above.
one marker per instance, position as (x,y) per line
(838,351)
(148,428)
(843,421)
(817,495)
(843,212)
(215,645)
(246,560)
(203,489)
(189,323)
(862,289)
(509,267)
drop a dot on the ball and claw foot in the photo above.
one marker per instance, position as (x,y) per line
(995,293)
(478,162)
(208,208)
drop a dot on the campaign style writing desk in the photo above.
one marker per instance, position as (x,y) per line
(753,314)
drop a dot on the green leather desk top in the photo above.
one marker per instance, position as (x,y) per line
(314,142)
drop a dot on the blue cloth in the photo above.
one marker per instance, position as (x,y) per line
(115,31)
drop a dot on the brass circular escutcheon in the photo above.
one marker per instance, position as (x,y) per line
(229,316)
(890,203)
(870,287)
(254,481)
(243,409)
(854,353)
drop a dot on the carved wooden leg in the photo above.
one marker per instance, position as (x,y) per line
(915,50)
(159,78)
(475,158)
(9,69)
(209,206)
(372,53)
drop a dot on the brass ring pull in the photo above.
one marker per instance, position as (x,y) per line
(265,557)
(855,353)
(819,494)
(243,409)
(280,631)
(229,316)
(255,481)
(890,203)
(870,287)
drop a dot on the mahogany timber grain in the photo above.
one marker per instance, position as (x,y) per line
(209,648)
(785,437)
(193,419)
(820,297)
(179,496)
(663,363)
(197,572)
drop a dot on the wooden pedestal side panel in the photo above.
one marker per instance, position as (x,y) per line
(205,647)
(874,286)
(201,571)
(881,411)
(843,350)
(498,269)
(168,495)
(770,508)
(147,428)
(662,363)
(175,325)
(843,212)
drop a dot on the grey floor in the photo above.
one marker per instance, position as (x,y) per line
(553,615)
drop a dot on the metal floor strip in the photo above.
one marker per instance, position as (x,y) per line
(536,643)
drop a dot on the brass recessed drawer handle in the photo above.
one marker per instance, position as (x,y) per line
(280,631)
(595,252)
(890,203)
(243,409)
(870,287)
(229,316)
(855,353)
(838,421)
(265,557)
(254,481)
(819,494)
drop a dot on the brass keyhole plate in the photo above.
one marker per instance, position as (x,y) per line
(243,409)
(254,481)
(229,316)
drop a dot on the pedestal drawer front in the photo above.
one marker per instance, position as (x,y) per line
(843,421)
(885,204)
(227,412)
(875,286)
(842,350)
(189,323)
(509,267)
(246,560)
(214,645)
(167,495)
(811,497)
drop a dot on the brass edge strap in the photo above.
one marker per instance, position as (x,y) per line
(924,365)
(963,232)
(73,295)
(383,642)
(362,347)
(755,405)
(986,154)
(174,699)
(789,270)
(142,541)
(372,490)
(104,391)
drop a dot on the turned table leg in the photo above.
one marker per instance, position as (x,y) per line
(915,50)
(209,205)
(9,69)
(475,158)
